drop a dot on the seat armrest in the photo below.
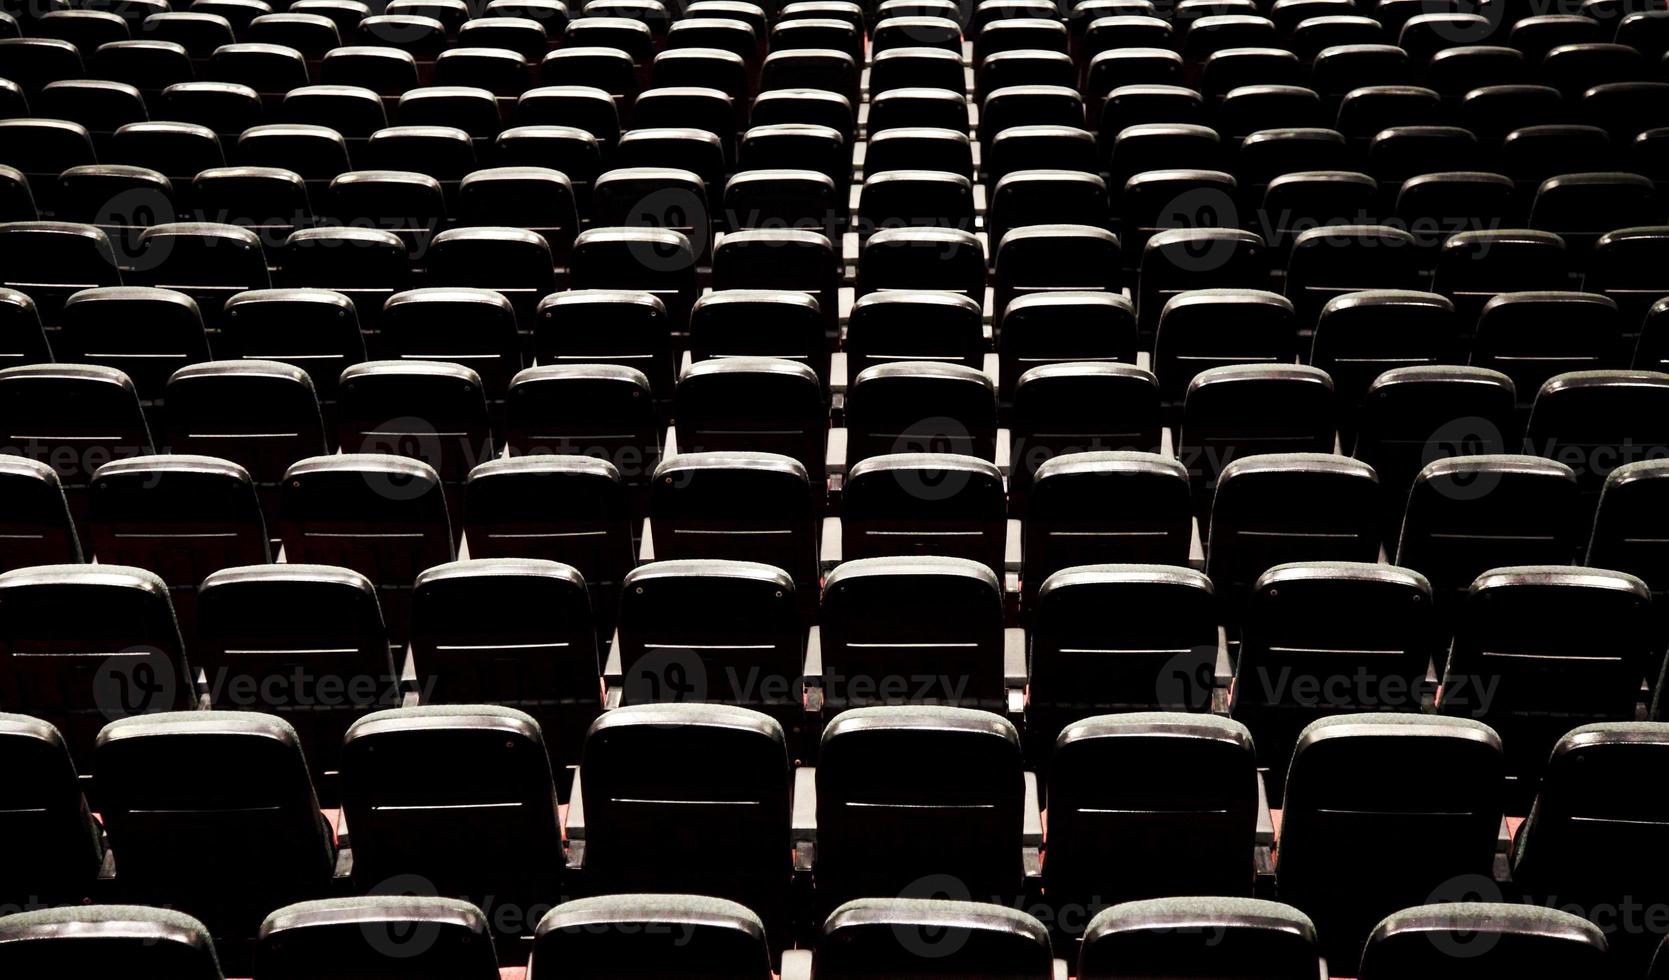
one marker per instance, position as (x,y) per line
(805,804)
(1223,671)
(1031,839)
(574,827)
(1222,676)
(408,670)
(1015,676)
(991,364)
(669,442)
(613,687)
(646,550)
(1196,546)
(829,549)
(408,689)
(811,681)
(1266,820)
(1032,830)
(803,830)
(814,657)
(1503,838)
(1167,442)
(1013,553)
(1004,451)
(796,964)
(1061,970)
(834,452)
(839,373)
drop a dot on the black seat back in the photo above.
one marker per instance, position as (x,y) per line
(308,639)
(753,404)
(1285,507)
(236,784)
(56,847)
(716,772)
(1595,831)
(1242,937)
(1178,778)
(744,506)
(1085,663)
(425,938)
(88,644)
(921,937)
(38,527)
(915,630)
(1068,523)
(712,630)
(180,516)
(1535,679)
(924,504)
(910,799)
(383,516)
(689,935)
(474,775)
(1433,784)
(921,406)
(1468,514)
(1330,638)
(101,939)
(75,418)
(517,632)
(1447,942)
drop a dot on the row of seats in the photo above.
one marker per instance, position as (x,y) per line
(576,130)
(265,416)
(268,52)
(460,802)
(1351,85)
(1575,213)
(691,936)
(1057,286)
(1513,647)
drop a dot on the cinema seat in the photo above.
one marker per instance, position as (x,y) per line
(109,938)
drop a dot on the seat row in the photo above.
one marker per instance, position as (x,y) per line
(692,936)
(897,630)
(1279,195)
(212,263)
(917,802)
